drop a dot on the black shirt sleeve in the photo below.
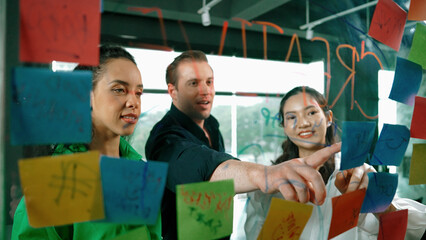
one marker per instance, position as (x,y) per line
(188,161)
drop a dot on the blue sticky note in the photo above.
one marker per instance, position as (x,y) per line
(50,107)
(406,82)
(380,192)
(132,190)
(356,143)
(391,146)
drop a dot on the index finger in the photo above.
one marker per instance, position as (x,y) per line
(321,156)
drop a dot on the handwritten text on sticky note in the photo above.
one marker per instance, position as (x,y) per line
(380,191)
(67,31)
(387,24)
(62,189)
(356,143)
(391,146)
(205,210)
(285,220)
(50,107)
(132,189)
(346,210)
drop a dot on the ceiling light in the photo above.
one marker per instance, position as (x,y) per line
(205,18)
(204,11)
(309,33)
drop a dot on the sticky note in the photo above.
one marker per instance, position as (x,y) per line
(393,225)
(417,129)
(67,31)
(418,46)
(62,189)
(406,82)
(391,146)
(50,107)
(346,210)
(387,24)
(417,11)
(356,143)
(285,220)
(141,233)
(132,190)
(418,165)
(205,210)
(380,192)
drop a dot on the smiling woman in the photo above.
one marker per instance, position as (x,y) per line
(309,127)
(115,101)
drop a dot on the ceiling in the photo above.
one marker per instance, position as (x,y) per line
(137,23)
(131,23)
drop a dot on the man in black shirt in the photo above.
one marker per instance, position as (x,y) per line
(188,138)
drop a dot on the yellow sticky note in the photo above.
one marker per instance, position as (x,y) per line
(62,189)
(136,234)
(285,220)
(418,165)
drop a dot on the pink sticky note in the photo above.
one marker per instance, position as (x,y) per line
(417,11)
(417,129)
(387,25)
(393,225)
(346,210)
(66,31)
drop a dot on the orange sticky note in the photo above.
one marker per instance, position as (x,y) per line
(66,31)
(393,225)
(417,129)
(418,165)
(417,11)
(62,189)
(346,210)
(387,24)
(285,220)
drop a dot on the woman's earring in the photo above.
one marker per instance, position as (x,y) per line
(329,123)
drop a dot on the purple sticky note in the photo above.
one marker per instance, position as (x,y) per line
(132,190)
(380,192)
(406,83)
(356,143)
(391,146)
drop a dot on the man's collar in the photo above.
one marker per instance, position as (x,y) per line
(187,123)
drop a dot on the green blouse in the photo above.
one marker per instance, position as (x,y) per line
(85,230)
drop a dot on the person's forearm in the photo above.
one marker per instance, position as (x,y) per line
(247,176)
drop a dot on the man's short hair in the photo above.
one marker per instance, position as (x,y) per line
(191,55)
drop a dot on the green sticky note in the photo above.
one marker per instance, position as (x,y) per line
(418,165)
(418,47)
(205,210)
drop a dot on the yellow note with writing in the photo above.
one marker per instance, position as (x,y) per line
(62,189)
(285,220)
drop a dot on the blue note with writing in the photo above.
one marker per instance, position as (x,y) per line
(406,82)
(391,146)
(132,190)
(356,143)
(50,107)
(380,192)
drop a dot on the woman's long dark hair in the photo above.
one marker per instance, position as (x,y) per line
(290,150)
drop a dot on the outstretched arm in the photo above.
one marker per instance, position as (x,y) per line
(296,179)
